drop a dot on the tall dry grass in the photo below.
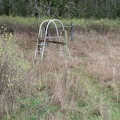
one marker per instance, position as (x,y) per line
(83,87)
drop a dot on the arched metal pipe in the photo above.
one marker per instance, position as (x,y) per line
(54,20)
(46,31)
(60,23)
(41,26)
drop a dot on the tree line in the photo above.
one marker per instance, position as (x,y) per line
(61,8)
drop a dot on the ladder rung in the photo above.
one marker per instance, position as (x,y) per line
(40,44)
(39,51)
(37,58)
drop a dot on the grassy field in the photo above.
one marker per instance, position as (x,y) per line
(84,87)
(19,24)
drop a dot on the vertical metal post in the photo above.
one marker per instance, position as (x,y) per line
(48,32)
(72,31)
(38,43)
(47,44)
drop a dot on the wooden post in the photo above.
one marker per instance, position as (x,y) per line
(65,46)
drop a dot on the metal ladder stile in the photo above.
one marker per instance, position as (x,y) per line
(42,48)
(39,49)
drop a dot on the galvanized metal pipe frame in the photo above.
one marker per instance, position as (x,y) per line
(44,39)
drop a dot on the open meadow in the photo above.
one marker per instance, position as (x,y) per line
(84,86)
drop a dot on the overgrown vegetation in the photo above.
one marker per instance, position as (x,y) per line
(13,70)
(84,87)
(31,25)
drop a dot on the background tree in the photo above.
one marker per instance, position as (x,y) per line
(61,8)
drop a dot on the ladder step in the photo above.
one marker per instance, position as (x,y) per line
(39,51)
(40,44)
(37,58)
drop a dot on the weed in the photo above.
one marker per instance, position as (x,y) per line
(84,87)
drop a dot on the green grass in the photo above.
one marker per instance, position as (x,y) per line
(96,100)
(100,25)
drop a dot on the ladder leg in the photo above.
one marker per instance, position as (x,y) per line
(35,55)
(43,49)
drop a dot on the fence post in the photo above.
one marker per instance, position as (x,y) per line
(72,31)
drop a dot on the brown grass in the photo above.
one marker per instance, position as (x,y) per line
(94,61)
